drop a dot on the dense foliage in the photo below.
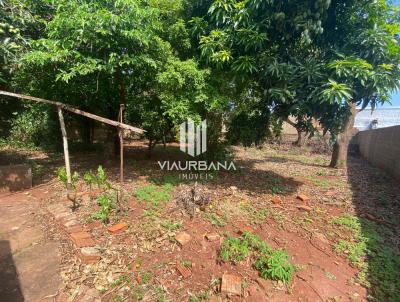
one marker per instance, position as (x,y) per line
(252,64)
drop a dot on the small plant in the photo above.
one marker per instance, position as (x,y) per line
(234,249)
(101,179)
(160,294)
(145,277)
(275,266)
(107,202)
(171,226)
(138,293)
(348,221)
(215,219)
(155,194)
(119,281)
(62,176)
(90,179)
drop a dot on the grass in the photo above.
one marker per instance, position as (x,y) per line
(171,225)
(272,264)
(155,194)
(377,260)
(215,219)
(154,199)
(107,202)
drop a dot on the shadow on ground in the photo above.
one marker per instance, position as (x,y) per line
(376,198)
(10,289)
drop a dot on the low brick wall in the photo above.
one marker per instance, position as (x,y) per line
(381,147)
(15,178)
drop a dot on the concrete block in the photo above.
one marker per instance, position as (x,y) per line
(15,178)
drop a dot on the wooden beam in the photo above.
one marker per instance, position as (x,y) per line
(75,110)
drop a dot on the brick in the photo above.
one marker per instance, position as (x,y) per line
(15,178)
(231,284)
(276,200)
(305,208)
(75,229)
(89,255)
(184,271)
(183,238)
(94,225)
(61,215)
(80,235)
(84,242)
(303,197)
(117,228)
(213,237)
(244,229)
(82,239)
(70,223)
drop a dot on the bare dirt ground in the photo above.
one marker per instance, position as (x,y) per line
(343,237)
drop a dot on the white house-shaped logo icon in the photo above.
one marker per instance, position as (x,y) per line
(193,138)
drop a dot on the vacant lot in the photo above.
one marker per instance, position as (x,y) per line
(283,227)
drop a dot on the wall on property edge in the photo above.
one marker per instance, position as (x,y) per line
(381,147)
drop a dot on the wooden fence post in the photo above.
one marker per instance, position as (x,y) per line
(121,143)
(65,145)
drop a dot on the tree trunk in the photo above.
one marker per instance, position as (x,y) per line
(150,146)
(301,138)
(341,145)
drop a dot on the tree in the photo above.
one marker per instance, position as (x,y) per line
(119,52)
(353,45)
(21,20)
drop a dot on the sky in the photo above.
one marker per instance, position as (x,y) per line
(396,96)
(395,101)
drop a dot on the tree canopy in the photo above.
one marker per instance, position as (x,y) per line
(255,62)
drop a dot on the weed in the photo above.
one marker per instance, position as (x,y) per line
(107,202)
(280,189)
(62,176)
(101,179)
(119,281)
(145,277)
(322,173)
(138,293)
(171,226)
(90,179)
(215,219)
(367,250)
(348,221)
(154,194)
(258,216)
(186,263)
(160,294)
(234,249)
(330,276)
(275,266)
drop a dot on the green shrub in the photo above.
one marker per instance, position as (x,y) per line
(275,266)
(234,249)
(107,202)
